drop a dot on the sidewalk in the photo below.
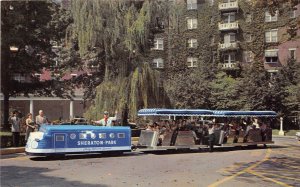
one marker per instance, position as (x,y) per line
(11,150)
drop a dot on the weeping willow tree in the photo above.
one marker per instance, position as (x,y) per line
(142,88)
(115,36)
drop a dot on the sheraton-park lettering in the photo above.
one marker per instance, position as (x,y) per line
(87,142)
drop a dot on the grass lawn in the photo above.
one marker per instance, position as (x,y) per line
(7,133)
(287,132)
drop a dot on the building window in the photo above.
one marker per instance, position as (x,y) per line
(192,62)
(212,40)
(158,63)
(271,56)
(192,23)
(248,18)
(158,44)
(248,37)
(248,56)
(37,75)
(293,13)
(292,52)
(228,1)
(19,77)
(271,36)
(229,58)
(271,18)
(229,38)
(192,43)
(73,75)
(229,18)
(191,4)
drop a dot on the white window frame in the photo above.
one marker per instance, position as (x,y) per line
(158,63)
(38,75)
(232,38)
(229,18)
(248,18)
(193,61)
(19,77)
(231,58)
(192,23)
(191,4)
(248,39)
(192,43)
(158,44)
(270,18)
(74,75)
(248,56)
(293,13)
(271,36)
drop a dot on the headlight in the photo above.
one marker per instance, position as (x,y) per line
(34,144)
(111,135)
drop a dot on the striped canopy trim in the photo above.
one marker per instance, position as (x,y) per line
(174,112)
(228,113)
(202,112)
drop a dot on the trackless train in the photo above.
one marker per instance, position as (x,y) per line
(71,139)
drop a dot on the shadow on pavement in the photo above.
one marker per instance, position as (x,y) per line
(283,168)
(80,156)
(32,176)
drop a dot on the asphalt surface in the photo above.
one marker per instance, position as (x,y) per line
(277,165)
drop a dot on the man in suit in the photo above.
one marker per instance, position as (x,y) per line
(41,119)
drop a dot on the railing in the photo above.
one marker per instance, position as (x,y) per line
(229,65)
(229,6)
(233,45)
(229,26)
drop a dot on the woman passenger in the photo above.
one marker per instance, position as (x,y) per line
(29,126)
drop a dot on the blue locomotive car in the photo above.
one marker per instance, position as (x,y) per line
(68,139)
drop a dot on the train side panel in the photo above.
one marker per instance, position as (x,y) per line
(78,139)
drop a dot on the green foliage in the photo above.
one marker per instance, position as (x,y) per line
(140,89)
(225,92)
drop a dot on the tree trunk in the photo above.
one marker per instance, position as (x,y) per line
(6,111)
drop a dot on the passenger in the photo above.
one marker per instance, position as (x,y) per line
(161,137)
(149,128)
(263,130)
(106,120)
(30,126)
(40,119)
(15,128)
(255,123)
(211,133)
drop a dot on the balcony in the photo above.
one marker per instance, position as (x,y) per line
(230,65)
(228,46)
(228,6)
(229,26)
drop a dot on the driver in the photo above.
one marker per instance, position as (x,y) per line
(106,120)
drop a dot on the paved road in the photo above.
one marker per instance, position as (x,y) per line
(279,165)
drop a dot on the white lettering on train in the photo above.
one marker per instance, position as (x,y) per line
(107,142)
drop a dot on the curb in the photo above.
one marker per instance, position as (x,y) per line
(278,136)
(13,150)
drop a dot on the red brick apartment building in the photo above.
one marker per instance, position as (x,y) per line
(229,32)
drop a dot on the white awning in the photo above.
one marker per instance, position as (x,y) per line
(271,53)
